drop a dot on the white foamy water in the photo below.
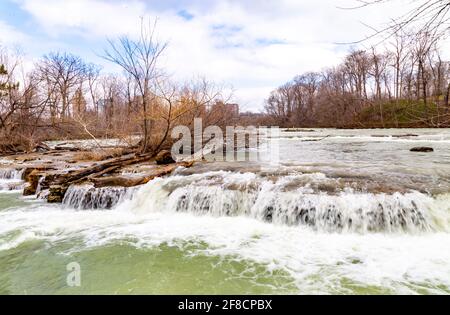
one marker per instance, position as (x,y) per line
(89,197)
(228,194)
(317,261)
(11,173)
(10,179)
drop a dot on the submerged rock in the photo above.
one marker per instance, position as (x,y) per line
(164,158)
(422,149)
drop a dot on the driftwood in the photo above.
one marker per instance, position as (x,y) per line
(99,169)
(101,174)
(42,148)
(122,181)
(11,149)
(59,183)
(67,149)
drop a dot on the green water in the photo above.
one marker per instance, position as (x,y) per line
(34,268)
(37,264)
(39,267)
(11,200)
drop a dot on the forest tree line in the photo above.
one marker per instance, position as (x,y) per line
(64,97)
(405,82)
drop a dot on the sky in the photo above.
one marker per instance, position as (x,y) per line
(252,45)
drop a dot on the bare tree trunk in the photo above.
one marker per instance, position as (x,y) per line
(424,83)
(447,96)
(146,129)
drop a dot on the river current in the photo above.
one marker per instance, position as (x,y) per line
(342,212)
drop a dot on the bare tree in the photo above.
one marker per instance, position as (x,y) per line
(67,72)
(139,59)
(359,92)
(22,106)
(427,16)
(93,75)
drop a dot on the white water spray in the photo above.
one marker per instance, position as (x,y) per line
(224,194)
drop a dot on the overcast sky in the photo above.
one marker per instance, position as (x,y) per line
(253,45)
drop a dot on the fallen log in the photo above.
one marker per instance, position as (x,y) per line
(42,148)
(69,149)
(12,149)
(122,181)
(59,183)
(98,169)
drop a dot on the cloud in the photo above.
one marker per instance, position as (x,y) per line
(10,36)
(254,45)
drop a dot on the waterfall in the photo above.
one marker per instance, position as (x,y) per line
(11,179)
(87,197)
(11,174)
(226,194)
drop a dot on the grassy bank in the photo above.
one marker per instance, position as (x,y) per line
(404,114)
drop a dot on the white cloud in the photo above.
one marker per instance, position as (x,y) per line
(254,45)
(11,36)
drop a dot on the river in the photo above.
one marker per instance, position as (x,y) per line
(344,212)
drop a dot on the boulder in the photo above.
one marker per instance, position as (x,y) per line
(27,171)
(56,194)
(422,149)
(29,190)
(164,158)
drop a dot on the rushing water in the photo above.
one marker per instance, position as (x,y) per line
(10,179)
(346,211)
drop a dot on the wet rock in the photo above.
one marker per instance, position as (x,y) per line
(115,181)
(32,180)
(29,190)
(405,136)
(32,176)
(164,158)
(27,171)
(56,194)
(422,149)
